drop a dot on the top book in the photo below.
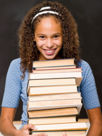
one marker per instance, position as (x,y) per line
(53,63)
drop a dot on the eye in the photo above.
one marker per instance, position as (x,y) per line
(42,37)
(56,36)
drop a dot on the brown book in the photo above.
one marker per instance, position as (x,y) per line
(68,126)
(52,120)
(47,90)
(52,63)
(38,105)
(57,70)
(52,82)
(53,112)
(60,133)
(54,68)
(55,97)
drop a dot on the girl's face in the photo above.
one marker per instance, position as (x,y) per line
(48,37)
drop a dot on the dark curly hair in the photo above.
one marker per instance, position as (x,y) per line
(27,47)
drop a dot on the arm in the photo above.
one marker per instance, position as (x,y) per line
(10,99)
(6,121)
(10,102)
(8,129)
(95,119)
(91,100)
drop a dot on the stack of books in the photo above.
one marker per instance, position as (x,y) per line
(53,100)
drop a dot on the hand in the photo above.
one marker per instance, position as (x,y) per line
(26,129)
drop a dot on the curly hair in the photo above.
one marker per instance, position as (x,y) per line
(27,47)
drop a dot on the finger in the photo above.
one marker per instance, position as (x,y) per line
(33,127)
(29,126)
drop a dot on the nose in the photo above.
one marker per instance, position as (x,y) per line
(49,43)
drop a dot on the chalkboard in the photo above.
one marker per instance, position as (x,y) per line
(88,15)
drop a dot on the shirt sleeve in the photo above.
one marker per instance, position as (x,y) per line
(12,86)
(88,87)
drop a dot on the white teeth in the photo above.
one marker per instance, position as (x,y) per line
(49,51)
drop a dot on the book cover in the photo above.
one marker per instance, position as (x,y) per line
(55,97)
(52,120)
(53,68)
(57,70)
(68,126)
(37,105)
(46,90)
(52,63)
(56,75)
(53,112)
(53,82)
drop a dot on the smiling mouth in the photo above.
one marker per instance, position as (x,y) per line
(49,52)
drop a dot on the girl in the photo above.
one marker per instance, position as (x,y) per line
(47,32)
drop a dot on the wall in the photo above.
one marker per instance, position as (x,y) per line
(88,15)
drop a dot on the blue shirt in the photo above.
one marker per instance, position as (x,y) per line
(16,88)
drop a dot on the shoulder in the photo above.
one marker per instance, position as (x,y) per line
(87,73)
(15,69)
(15,62)
(14,66)
(85,66)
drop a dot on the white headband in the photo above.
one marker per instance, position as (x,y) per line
(43,8)
(44,12)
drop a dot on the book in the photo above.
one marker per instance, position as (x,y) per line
(52,120)
(53,112)
(57,70)
(53,68)
(55,97)
(60,133)
(47,90)
(56,75)
(52,63)
(67,126)
(37,105)
(52,82)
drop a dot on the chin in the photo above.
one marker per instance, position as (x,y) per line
(49,57)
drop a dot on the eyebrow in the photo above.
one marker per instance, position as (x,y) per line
(52,34)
